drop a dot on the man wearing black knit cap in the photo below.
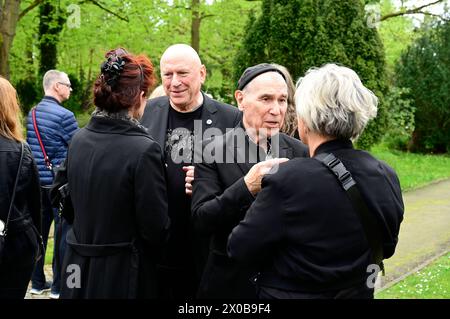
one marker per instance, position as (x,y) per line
(229,176)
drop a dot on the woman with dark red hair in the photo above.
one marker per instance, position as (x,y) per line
(117,185)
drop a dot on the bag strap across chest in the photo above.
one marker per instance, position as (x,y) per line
(368,220)
(4,231)
(47,161)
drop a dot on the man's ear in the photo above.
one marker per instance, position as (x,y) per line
(239,96)
(203,73)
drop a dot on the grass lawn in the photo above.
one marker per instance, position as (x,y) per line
(414,170)
(49,252)
(431,282)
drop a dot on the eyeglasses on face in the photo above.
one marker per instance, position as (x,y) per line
(66,84)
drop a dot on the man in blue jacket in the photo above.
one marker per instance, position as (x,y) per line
(55,126)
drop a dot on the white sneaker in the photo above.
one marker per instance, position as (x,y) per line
(53,296)
(35,291)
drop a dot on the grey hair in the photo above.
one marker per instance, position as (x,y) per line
(51,77)
(332,101)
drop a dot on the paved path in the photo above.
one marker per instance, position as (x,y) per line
(424,232)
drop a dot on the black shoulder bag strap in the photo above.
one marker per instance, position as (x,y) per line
(13,196)
(368,221)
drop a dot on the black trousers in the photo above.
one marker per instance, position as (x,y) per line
(19,257)
(357,292)
(49,215)
(176,283)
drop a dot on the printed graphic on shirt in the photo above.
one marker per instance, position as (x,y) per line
(179,145)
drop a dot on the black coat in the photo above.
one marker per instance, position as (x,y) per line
(22,242)
(214,115)
(118,190)
(302,229)
(220,200)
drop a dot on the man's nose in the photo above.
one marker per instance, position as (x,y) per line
(175,80)
(275,109)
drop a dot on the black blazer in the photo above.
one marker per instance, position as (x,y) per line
(220,200)
(27,204)
(118,190)
(215,114)
(303,229)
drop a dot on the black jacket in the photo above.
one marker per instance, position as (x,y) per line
(303,229)
(220,200)
(25,221)
(117,186)
(215,115)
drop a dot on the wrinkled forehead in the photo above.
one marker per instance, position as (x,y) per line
(178,65)
(267,83)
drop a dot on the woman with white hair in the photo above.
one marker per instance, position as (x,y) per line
(320,226)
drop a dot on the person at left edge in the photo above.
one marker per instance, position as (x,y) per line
(22,240)
(117,186)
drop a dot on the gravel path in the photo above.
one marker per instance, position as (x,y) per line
(424,232)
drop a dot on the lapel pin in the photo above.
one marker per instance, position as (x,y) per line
(209,121)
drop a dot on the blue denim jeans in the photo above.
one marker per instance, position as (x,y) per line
(50,214)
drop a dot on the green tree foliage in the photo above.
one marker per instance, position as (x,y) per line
(396,33)
(401,119)
(300,34)
(28,93)
(425,69)
(147,27)
(221,34)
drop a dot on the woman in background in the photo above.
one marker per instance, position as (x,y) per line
(20,218)
(157,92)
(290,119)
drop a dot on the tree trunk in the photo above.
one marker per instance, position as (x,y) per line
(9,15)
(87,100)
(195,25)
(51,23)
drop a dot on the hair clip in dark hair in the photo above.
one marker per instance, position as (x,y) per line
(116,52)
(112,68)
